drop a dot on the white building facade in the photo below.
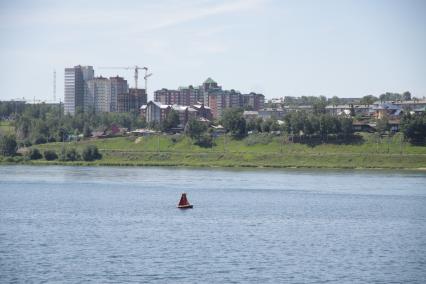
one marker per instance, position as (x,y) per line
(74,89)
(98,95)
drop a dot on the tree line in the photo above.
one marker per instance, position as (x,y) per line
(41,123)
(299,123)
(366,100)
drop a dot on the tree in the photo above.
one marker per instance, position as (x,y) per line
(406,96)
(194,129)
(346,126)
(23,127)
(382,125)
(171,121)
(235,123)
(91,153)
(35,154)
(275,126)
(319,107)
(8,145)
(87,132)
(328,125)
(414,128)
(258,124)
(352,110)
(334,101)
(368,100)
(62,135)
(251,125)
(296,122)
(266,125)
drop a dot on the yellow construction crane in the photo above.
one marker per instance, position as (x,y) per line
(136,76)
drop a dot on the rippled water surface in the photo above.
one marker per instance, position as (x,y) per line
(109,225)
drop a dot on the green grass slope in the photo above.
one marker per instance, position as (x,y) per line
(369,151)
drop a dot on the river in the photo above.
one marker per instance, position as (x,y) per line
(118,224)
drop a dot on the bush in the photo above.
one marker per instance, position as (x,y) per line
(176,138)
(205,140)
(8,146)
(50,155)
(195,129)
(34,154)
(72,155)
(69,155)
(91,153)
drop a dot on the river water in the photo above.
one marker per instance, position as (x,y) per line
(117,224)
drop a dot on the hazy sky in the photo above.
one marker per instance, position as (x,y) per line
(279,48)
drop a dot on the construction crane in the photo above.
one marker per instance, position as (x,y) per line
(146,80)
(136,76)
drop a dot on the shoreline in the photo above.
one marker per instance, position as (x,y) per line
(201,166)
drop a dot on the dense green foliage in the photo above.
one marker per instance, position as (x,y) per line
(69,155)
(41,123)
(368,100)
(171,121)
(234,122)
(382,125)
(8,145)
(91,153)
(305,100)
(198,133)
(50,155)
(11,108)
(195,129)
(305,124)
(414,128)
(34,154)
(406,96)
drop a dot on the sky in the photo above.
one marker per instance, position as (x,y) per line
(345,48)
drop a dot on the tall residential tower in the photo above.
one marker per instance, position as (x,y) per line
(75,79)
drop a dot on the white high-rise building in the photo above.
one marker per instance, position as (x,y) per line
(74,91)
(98,95)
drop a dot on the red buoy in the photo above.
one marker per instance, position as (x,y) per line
(183,203)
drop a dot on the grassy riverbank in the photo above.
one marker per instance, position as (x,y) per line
(256,151)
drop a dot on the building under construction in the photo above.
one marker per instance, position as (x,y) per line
(131,101)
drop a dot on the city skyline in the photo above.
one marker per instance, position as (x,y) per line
(278,48)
